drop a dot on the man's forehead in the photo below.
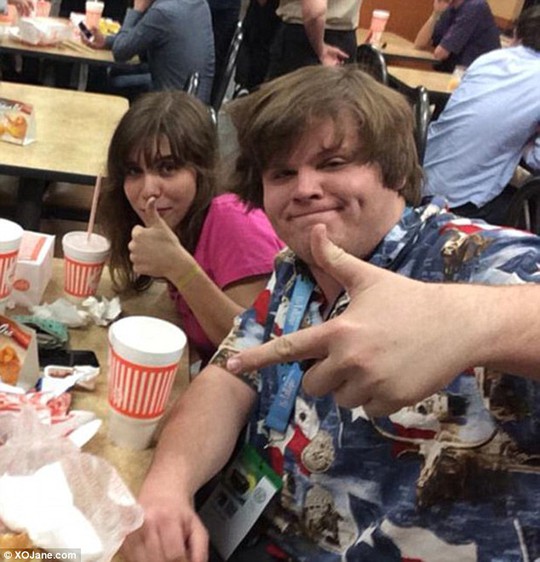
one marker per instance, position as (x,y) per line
(320,137)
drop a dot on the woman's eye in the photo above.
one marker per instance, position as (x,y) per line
(133,171)
(167,168)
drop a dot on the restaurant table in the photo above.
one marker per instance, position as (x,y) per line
(397,48)
(131,465)
(68,51)
(73,133)
(413,77)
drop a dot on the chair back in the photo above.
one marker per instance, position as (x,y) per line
(372,61)
(219,89)
(192,84)
(524,209)
(419,99)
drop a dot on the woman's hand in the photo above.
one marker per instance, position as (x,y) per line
(155,250)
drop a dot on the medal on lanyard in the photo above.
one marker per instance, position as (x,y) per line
(290,374)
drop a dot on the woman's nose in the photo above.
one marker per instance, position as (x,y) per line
(152,186)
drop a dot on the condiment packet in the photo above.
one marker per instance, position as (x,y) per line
(59,378)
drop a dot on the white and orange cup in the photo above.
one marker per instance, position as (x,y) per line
(84,259)
(10,241)
(143,359)
(94,11)
(379,18)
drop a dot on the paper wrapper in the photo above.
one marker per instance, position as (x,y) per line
(97,489)
(43,31)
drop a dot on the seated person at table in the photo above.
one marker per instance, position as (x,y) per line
(459,31)
(175,37)
(490,123)
(160,211)
(453,473)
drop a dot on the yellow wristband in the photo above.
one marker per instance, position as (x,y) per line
(187,278)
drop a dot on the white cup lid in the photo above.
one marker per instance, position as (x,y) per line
(10,235)
(78,246)
(383,14)
(147,341)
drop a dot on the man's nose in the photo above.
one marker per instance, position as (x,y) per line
(307,184)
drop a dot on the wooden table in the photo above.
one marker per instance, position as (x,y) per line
(131,465)
(73,133)
(413,77)
(396,48)
(71,51)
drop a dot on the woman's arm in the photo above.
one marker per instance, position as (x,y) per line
(155,250)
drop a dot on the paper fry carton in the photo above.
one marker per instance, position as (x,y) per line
(34,268)
(18,354)
(17,122)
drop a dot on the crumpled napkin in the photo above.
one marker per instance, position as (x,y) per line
(101,311)
(100,504)
(42,505)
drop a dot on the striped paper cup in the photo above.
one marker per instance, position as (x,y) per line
(84,259)
(143,359)
(10,241)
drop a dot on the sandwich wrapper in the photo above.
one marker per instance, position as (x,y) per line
(61,497)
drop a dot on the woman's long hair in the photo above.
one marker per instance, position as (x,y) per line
(185,122)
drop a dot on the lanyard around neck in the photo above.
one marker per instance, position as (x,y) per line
(290,374)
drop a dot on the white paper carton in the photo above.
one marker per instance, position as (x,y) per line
(17,122)
(34,268)
(18,354)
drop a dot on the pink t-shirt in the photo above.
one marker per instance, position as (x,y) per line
(234,244)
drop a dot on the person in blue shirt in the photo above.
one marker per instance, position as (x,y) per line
(490,123)
(459,31)
(403,451)
(176,38)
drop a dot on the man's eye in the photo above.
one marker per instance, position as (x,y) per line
(334,163)
(278,175)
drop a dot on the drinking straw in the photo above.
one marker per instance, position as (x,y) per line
(93,209)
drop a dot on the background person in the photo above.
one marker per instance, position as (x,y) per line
(160,211)
(314,32)
(459,31)
(163,32)
(340,163)
(490,123)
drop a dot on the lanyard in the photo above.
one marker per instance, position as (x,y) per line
(290,374)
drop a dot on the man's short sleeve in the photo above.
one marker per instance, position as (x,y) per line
(463,28)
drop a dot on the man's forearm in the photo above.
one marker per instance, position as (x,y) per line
(202,430)
(423,38)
